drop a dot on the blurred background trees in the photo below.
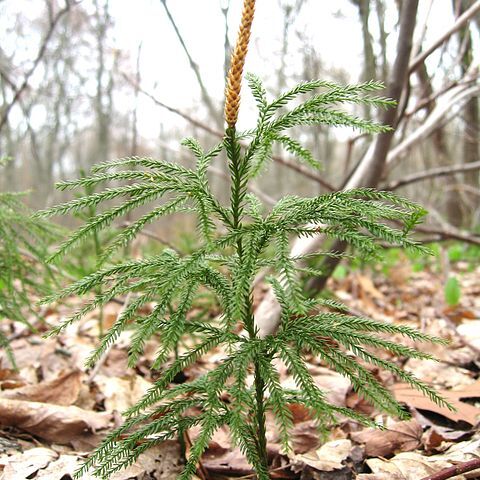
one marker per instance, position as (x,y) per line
(82,82)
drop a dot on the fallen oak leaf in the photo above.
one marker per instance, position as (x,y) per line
(54,423)
(397,437)
(63,390)
(465,412)
(404,466)
(436,438)
(334,456)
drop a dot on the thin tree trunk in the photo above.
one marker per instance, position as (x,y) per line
(370,65)
(471,115)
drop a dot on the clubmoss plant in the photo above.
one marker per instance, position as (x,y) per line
(235,239)
(23,270)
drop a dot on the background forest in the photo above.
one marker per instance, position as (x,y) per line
(89,81)
(75,92)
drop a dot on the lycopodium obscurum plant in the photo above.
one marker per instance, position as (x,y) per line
(235,237)
(24,273)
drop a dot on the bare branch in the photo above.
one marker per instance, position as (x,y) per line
(186,117)
(41,52)
(442,114)
(450,233)
(467,15)
(434,172)
(194,66)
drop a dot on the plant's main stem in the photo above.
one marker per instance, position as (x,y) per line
(238,167)
(238,188)
(260,417)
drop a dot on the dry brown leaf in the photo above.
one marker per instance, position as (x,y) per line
(405,466)
(229,463)
(439,374)
(330,457)
(334,385)
(64,467)
(413,465)
(63,390)
(24,465)
(465,412)
(398,437)
(116,364)
(121,393)
(367,287)
(305,437)
(458,314)
(161,462)
(54,423)
(471,332)
(436,438)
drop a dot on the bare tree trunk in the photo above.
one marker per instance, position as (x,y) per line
(368,172)
(471,114)
(102,146)
(380,9)
(370,64)
(453,207)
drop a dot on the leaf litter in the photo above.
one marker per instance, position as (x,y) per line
(53,411)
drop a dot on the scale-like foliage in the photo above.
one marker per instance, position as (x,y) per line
(235,245)
(23,271)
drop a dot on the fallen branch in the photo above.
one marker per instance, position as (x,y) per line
(455,470)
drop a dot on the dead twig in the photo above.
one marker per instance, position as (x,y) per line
(455,470)
(214,113)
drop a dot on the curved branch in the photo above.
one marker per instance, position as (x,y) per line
(434,172)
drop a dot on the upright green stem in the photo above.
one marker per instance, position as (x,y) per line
(260,417)
(237,194)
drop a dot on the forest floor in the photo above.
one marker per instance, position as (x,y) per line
(53,411)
